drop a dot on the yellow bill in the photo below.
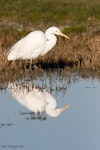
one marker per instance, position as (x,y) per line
(62,34)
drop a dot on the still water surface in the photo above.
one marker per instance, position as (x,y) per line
(76,128)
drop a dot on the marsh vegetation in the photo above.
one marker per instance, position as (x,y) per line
(79,19)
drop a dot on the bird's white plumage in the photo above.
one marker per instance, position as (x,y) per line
(26,48)
(34,44)
(36,100)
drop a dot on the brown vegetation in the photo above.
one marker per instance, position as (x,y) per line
(80,19)
(81,51)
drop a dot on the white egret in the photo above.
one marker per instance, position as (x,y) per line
(36,43)
(36,100)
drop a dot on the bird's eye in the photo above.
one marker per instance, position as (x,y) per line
(57,32)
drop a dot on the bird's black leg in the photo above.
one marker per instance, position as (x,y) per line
(31,65)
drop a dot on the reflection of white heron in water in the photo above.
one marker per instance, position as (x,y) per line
(36,43)
(36,100)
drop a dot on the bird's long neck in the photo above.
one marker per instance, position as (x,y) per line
(50,43)
(53,112)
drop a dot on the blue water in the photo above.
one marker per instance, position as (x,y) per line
(77,128)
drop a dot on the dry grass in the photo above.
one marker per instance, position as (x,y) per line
(81,20)
(82,51)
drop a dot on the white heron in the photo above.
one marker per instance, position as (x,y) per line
(36,100)
(36,43)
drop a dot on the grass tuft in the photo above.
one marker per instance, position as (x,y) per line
(75,29)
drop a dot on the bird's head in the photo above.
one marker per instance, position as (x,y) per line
(57,31)
(56,112)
